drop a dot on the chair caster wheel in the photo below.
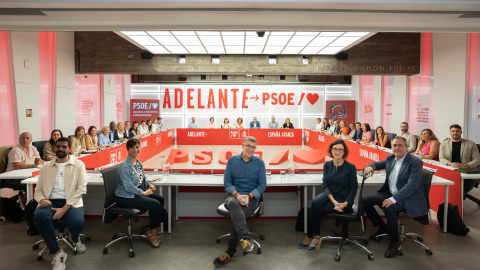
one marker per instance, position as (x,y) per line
(337,258)
(400,253)
(370,257)
(131,254)
(217,241)
(259,251)
(39,258)
(262,237)
(35,247)
(105,251)
(31,232)
(74,252)
(88,239)
(429,252)
(419,238)
(114,237)
(365,241)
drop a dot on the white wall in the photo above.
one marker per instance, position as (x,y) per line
(65,108)
(450,90)
(399,104)
(109,99)
(27,81)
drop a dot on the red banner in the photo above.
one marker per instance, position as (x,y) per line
(198,136)
(341,110)
(144,109)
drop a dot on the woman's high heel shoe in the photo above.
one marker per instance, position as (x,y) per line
(311,249)
(302,245)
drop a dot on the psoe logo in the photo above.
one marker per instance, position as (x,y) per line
(234,134)
(170,134)
(116,156)
(321,138)
(144,144)
(158,140)
(145,105)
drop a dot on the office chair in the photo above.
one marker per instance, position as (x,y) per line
(40,145)
(18,186)
(427,176)
(110,210)
(469,184)
(223,211)
(61,237)
(356,215)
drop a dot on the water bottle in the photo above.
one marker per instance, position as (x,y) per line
(420,155)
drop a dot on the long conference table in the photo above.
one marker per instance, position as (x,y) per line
(154,144)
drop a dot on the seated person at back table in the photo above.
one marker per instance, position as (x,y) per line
(211,123)
(343,129)
(318,125)
(273,123)
(192,124)
(23,155)
(78,141)
(103,140)
(428,145)
(91,139)
(287,124)
(255,123)
(340,185)
(352,131)
(358,132)
(49,149)
(239,123)
(366,134)
(113,135)
(381,139)
(226,123)
(127,134)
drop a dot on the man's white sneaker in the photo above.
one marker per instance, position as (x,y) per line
(58,262)
(81,248)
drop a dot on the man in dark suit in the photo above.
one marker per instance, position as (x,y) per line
(358,132)
(402,191)
(113,135)
(255,123)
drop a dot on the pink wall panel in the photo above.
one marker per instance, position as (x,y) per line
(7,116)
(120,90)
(367,100)
(88,101)
(473,118)
(48,59)
(387,102)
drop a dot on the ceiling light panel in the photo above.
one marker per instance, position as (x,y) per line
(234,49)
(306,33)
(344,41)
(282,33)
(331,50)
(157,49)
(297,41)
(331,34)
(144,40)
(233,40)
(292,50)
(272,49)
(255,41)
(189,40)
(322,41)
(167,40)
(355,34)
(208,33)
(176,49)
(253,49)
(159,33)
(211,40)
(184,33)
(278,40)
(311,50)
(233,33)
(196,49)
(215,49)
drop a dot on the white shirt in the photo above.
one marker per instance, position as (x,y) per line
(273,124)
(393,177)
(154,128)
(142,130)
(58,191)
(318,127)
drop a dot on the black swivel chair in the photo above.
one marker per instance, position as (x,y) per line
(61,237)
(356,215)
(427,176)
(111,210)
(18,186)
(223,211)
(40,145)
(469,184)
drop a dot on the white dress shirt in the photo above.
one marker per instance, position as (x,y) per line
(393,177)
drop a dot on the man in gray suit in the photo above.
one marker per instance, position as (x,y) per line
(458,152)
(402,191)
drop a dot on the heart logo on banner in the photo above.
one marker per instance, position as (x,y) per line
(312,98)
(155,105)
(314,156)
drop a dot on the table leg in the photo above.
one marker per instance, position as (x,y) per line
(313,192)
(29,192)
(305,212)
(169,199)
(177,212)
(461,187)
(445,209)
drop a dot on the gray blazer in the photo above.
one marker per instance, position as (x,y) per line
(468,153)
(409,183)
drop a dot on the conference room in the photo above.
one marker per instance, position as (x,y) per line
(195,79)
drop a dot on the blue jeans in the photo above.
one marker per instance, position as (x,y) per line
(153,204)
(73,219)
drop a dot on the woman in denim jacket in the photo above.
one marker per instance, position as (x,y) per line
(134,191)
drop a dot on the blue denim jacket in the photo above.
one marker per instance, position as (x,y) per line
(128,178)
(245,177)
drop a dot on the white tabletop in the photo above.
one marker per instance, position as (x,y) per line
(18,174)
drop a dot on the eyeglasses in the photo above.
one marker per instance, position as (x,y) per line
(250,146)
(338,149)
